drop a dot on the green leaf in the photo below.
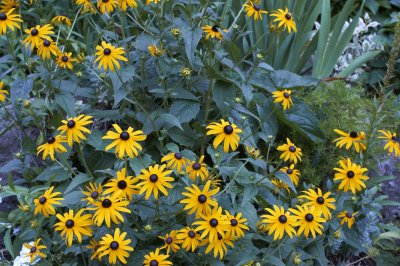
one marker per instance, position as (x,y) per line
(273,260)
(67,102)
(191,39)
(168,121)
(285,178)
(357,63)
(8,243)
(185,111)
(78,179)
(10,181)
(223,96)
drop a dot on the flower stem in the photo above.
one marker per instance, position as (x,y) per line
(83,257)
(82,159)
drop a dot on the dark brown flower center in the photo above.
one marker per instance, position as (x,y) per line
(215,28)
(51,140)
(228,129)
(349,215)
(168,240)
(46,43)
(202,198)
(196,166)
(320,200)
(94,194)
(350,174)
(292,148)
(309,217)
(69,223)
(34,32)
(70,123)
(107,51)
(289,171)
(114,245)
(124,135)
(178,156)
(234,222)
(286,95)
(256,7)
(353,134)
(282,219)
(288,16)
(106,203)
(213,222)
(42,200)
(33,249)
(122,184)
(219,236)
(394,138)
(191,234)
(105,1)
(153,178)
(153,263)
(3,16)
(64,58)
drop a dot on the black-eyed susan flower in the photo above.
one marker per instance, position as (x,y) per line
(219,246)
(320,201)
(92,192)
(225,132)
(3,93)
(309,220)
(47,48)
(347,217)
(350,139)
(87,6)
(190,238)
(278,221)
(45,203)
(392,142)
(290,152)
(37,34)
(155,179)
(125,3)
(237,224)
(197,169)
(108,208)
(212,32)
(115,247)
(65,60)
(185,72)
(125,142)
(156,258)
(108,56)
(280,185)
(171,242)
(7,5)
(53,144)
(292,173)
(107,5)
(10,21)
(285,18)
(156,50)
(34,250)
(74,225)
(75,127)
(254,10)
(122,185)
(94,246)
(351,176)
(284,97)
(148,2)
(199,201)
(57,20)
(175,161)
(212,223)
(253,152)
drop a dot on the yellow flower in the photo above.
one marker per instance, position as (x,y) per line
(9,21)
(254,9)
(309,220)
(122,185)
(392,142)
(236,225)
(94,246)
(292,173)
(92,192)
(226,132)
(353,138)
(196,169)
(212,223)
(71,225)
(212,32)
(284,97)
(155,258)
(155,179)
(148,2)
(87,6)
(278,222)
(108,209)
(320,201)
(54,144)
(125,3)
(253,152)
(171,242)
(34,250)
(45,203)
(46,48)
(61,20)
(175,161)
(7,5)
(37,34)
(348,218)
(65,60)
(285,19)
(175,31)
(115,247)
(125,142)
(108,55)
(279,184)
(185,72)
(190,238)
(351,176)
(2,92)
(290,152)
(219,245)
(107,5)
(155,50)
(199,201)
(74,128)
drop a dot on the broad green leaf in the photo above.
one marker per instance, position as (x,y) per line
(223,95)
(185,111)
(357,63)
(191,39)
(78,180)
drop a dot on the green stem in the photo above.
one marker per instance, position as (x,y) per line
(83,161)
(206,113)
(83,257)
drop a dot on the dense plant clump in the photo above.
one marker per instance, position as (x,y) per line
(166,132)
